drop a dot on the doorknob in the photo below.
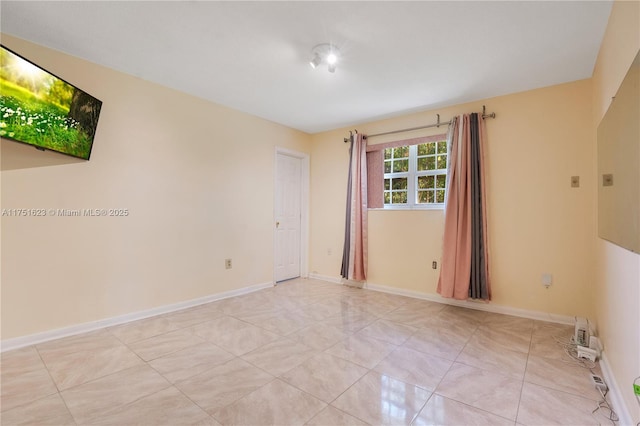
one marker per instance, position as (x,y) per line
(277,224)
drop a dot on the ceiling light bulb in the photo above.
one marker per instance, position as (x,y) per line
(317,60)
(332,58)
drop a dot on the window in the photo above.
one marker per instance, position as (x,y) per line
(415,176)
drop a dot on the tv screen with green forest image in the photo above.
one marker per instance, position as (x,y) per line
(40,109)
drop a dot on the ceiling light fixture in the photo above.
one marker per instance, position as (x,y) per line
(317,60)
(325,53)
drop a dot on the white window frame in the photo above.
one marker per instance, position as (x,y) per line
(412,183)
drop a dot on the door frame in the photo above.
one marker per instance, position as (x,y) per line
(304,209)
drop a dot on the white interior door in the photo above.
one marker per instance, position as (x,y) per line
(288,207)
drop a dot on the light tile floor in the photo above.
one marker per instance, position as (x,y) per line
(304,352)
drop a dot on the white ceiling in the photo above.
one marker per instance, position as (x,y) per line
(397,56)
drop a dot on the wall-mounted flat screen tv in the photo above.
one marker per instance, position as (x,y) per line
(43,110)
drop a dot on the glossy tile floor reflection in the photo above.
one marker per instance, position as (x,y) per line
(304,352)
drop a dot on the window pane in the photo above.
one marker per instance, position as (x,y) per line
(442,161)
(400,183)
(401,152)
(399,197)
(425,182)
(442,147)
(387,166)
(422,182)
(430,197)
(441,181)
(439,196)
(387,153)
(431,148)
(431,163)
(387,197)
(400,166)
(426,197)
(387,184)
(422,164)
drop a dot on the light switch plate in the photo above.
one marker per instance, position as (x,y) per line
(575,181)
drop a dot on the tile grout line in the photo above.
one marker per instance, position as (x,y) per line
(100,378)
(526,366)
(330,404)
(477,328)
(59,393)
(443,376)
(113,410)
(194,402)
(242,397)
(433,392)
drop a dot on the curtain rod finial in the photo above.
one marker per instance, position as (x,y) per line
(485,115)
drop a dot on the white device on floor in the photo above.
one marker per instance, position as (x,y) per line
(599,383)
(581,336)
(587,353)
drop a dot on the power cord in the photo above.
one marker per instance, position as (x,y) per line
(603,404)
(570,348)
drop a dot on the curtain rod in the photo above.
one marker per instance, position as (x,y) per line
(438,124)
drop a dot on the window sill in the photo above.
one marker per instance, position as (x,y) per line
(405,208)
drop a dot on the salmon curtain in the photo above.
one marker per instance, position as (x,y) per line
(354,254)
(465,258)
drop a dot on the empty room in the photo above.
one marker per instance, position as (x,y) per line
(320,213)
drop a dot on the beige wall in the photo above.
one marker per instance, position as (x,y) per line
(617,290)
(196,177)
(537,222)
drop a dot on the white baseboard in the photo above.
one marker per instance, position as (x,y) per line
(615,395)
(32,339)
(338,280)
(335,280)
(481,306)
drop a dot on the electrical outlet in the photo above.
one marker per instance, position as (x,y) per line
(575,181)
(329,252)
(434,265)
(227,264)
(547,280)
